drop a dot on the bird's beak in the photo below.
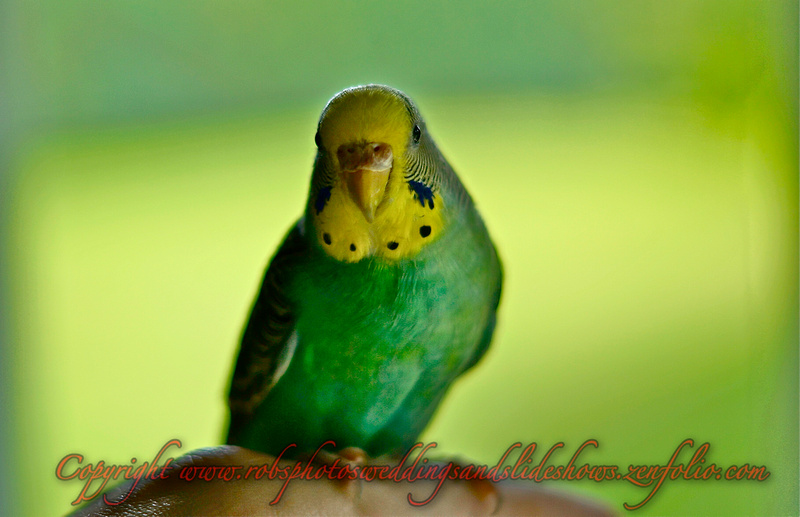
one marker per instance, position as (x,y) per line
(366,167)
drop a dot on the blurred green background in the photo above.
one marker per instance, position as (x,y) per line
(636,162)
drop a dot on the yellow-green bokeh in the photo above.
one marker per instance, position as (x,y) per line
(636,164)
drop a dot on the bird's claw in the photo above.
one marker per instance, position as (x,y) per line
(352,456)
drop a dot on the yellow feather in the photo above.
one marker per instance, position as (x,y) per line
(374,116)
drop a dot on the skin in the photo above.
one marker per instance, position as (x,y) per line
(175,497)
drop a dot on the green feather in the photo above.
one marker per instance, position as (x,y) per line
(369,347)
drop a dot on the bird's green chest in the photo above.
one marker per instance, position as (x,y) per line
(370,332)
(376,343)
(356,319)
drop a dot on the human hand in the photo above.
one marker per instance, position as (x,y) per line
(174,496)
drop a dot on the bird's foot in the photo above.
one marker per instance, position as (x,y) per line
(486,492)
(350,457)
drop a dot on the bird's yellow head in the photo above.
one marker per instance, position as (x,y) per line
(375,186)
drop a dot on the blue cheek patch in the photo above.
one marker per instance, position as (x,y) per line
(422,192)
(323,196)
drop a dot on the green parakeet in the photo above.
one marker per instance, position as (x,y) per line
(382,294)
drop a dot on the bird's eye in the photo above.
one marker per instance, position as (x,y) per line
(416,134)
(318,140)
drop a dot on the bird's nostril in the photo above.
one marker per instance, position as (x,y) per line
(381,150)
(366,155)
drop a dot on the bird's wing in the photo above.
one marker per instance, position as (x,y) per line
(269,339)
(488,332)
